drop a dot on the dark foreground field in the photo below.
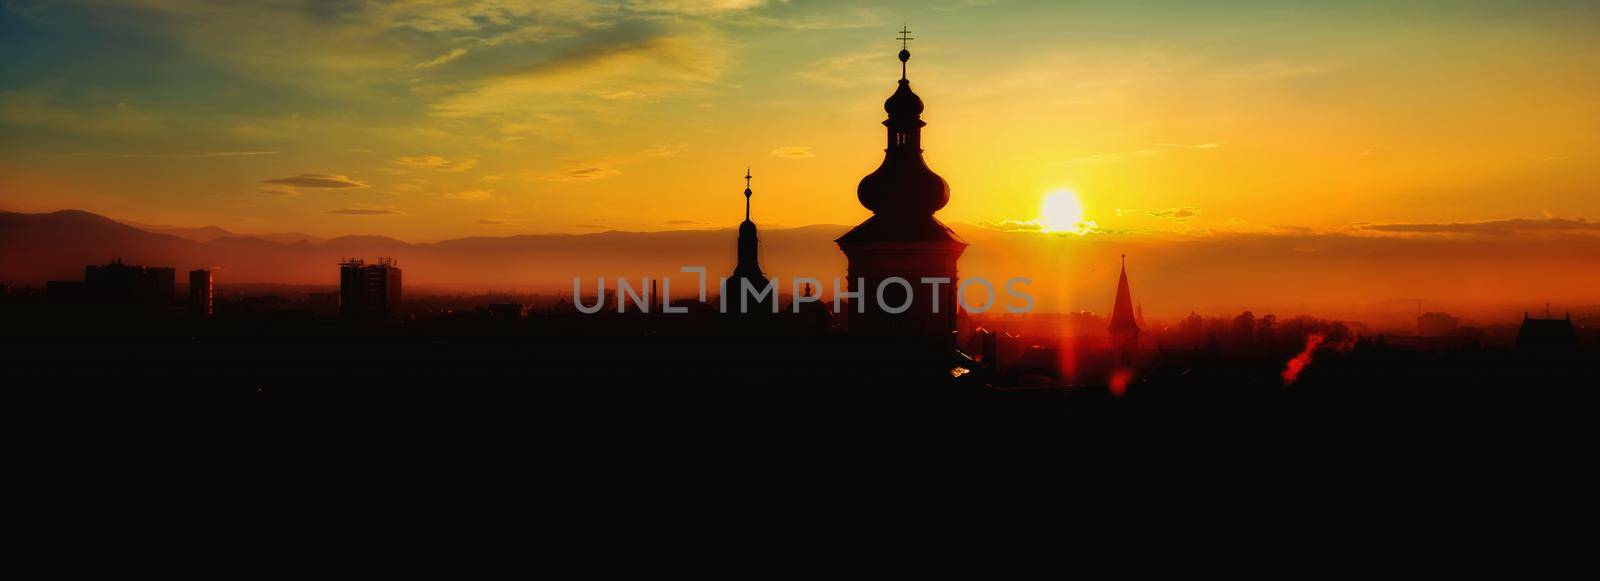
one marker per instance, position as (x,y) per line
(374,434)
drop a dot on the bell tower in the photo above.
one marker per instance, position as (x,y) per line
(903,260)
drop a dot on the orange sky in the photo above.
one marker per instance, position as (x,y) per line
(427,121)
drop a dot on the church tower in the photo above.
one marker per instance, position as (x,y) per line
(1124,328)
(903,239)
(748,268)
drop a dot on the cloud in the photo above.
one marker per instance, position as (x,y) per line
(454,54)
(963,4)
(846,70)
(319,181)
(1014,225)
(794,152)
(592,226)
(1197,146)
(694,7)
(1507,226)
(45,105)
(435,163)
(368,211)
(661,151)
(596,79)
(1158,149)
(823,18)
(206,155)
(1081,228)
(471,195)
(279,190)
(583,174)
(1179,214)
(686,222)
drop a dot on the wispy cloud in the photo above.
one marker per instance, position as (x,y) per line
(845,70)
(597,79)
(471,195)
(368,211)
(686,222)
(279,190)
(206,155)
(1507,226)
(435,163)
(318,181)
(1014,225)
(794,152)
(499,222)
(660,151)
(1157,149)
(594,169)
(1195,146)
(582,174)
(963,4)
(44,105)
(453,54)
(1180,214)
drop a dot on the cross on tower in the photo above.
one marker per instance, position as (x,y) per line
(905,36)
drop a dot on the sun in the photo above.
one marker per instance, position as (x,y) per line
(1062,212)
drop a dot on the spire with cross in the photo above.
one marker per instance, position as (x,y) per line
(747,193)
(905,51)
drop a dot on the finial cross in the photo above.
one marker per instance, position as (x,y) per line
(905,36)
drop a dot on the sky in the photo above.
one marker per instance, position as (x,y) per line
(442,119)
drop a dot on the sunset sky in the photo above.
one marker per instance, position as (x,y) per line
(443,119)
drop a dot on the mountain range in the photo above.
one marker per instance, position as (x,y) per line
(1288,272)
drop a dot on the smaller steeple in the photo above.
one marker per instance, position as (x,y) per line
(1122,317)
(1124,327)
(747,193)
(749,242)
(748,268)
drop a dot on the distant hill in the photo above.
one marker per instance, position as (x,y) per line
(1213,273)
(57,245)
(209,233)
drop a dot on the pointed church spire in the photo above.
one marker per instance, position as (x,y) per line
(1122,318)
(747,193)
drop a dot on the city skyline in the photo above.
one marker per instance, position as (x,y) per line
(433,121)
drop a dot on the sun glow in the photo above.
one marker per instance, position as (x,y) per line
(1063,212)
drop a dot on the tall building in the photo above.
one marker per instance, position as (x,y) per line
(202,289)
(118,284)
(1124,329)
(1547,336)
(368,291)
(748,269)
(903,239)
